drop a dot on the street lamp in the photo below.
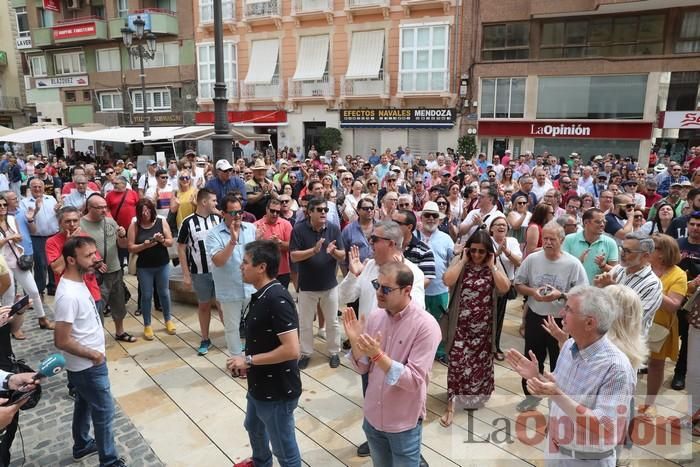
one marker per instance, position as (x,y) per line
(147,51)
(221,139)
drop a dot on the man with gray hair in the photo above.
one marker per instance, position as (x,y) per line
(635,272)
(591,389)
(544,278)
(81,193)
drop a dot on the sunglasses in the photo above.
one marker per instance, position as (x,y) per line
(384,289)
(325,210)
(3,205)
(376,238)
(366,208)
(372,183)
(441,203)
(274,212)
(235,213)
(185,178)
(431,215)
(187,166)
(284,201)
(639,216)
(110,172)
(521,202)
(163,177)
(480,251)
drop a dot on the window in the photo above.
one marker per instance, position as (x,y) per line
(69,63)
(37,63)
(424,59)
(167,54)
(22,22)
(509,41)
(87,97)
(689,37)
(683,91)
(45,18)
(69,96)
(603,37)
(206,10)
(168,5)
(503,98)
(108,60)
(592,97)
(110,101)
(157,100)
(205,70)
(123,8)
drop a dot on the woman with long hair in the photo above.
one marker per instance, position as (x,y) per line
(351,199)
(447,224)
(587,202)
(149,237)
(184,200)
(471,324)
(456,202)
(507,180)
(518,219)
(288,189)
(373,189)
(533,237)
(662,219)
(329,191)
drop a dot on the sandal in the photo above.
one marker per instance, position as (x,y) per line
(499,356)
(137,313)
(19,335)
(125,337)
(446,420)
(243,374)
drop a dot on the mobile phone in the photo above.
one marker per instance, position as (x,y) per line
(546,290)
(19,306)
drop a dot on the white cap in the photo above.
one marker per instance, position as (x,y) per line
(223,164)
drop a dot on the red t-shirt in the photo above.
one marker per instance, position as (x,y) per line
(54,250)
(70,186)
(283,230)
(128,209)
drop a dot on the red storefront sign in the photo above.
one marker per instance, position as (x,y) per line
(683,120)
(246,117)
(567,129)
(68,31)
(52,5)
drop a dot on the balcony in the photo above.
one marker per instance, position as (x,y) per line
(415,5)
(363,88)
(80,30)
(42,37)
(425,84)
(10,104)
(311,10)
(262,12)
(366,7)
(158,20)
(273,92)
(323,88)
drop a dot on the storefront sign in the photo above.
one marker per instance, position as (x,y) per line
(52,5)
(567,129)
(61,82)
(246,117)
(682,120)
(24,42)
(157,118)
(405,118)
(68,31)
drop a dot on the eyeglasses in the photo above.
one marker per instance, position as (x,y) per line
(325,210)
(638,216)
(235,212)
(627,251)
(284,201)
(274,212)
(480,251)
(384,289)
(404,205)
(431,215)
(375,238)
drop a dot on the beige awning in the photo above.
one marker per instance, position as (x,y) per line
(366,53)
(5,131)
(312,58)
(263,61)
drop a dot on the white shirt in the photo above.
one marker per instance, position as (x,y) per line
(74,304)
(540,190)
(486,218)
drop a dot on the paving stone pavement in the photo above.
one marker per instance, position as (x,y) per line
(46,429)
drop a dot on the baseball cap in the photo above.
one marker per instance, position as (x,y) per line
(686,183)
(39,165)
(151,162)
(676,184)
(223,164)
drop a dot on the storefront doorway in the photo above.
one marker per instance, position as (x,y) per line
(312,134)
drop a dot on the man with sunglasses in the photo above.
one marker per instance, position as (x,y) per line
(414,249)
(358,233)
(225,181)
(273,227)
(618,221)
(148,179)
(396,392)
(52,185)
(317,246)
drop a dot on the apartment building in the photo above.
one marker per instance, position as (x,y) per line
(386,72)
(80,72)
(13,112)
(591,76)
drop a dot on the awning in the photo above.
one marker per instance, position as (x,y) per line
(128,135)
(240,134)
(32,134)
(366,53)
(312,58)
(263,61)
(5,131)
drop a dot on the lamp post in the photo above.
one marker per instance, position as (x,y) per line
(147,51)
(221,139)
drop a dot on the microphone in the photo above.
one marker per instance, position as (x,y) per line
(50,366)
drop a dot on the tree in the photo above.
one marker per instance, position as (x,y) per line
(466,145)
(330,140)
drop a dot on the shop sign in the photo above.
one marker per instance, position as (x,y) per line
(684,120)
(157,118)
(246,117)
(406,118)
(566,129)
(69,31)
(23,42)
(52,5)
(61,82)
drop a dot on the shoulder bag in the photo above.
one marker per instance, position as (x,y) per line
(24,262)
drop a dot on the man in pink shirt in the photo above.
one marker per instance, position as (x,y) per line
(395,346)
(273,227)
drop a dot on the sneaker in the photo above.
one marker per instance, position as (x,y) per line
(89,450)
(304,362)
(527,404)
(119,463)
(346,344)
(363,450)
(204,347)
(321,334)
(423,462)
(71,393)
(678,382)
(443,360)
(334,361)
(148,333)
(170,327)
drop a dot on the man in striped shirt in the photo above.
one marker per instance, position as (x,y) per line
(635,272)
(415,250)
(196,265)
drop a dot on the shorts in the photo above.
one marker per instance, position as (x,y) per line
(112,290)
(203,286)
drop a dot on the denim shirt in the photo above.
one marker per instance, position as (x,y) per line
(353,235)
(228,280)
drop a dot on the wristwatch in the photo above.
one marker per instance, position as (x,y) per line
(249,360)
(6,382)
(562,297)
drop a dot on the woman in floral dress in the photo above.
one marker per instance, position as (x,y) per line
(476,275)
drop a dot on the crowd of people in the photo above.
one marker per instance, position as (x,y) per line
(401,260)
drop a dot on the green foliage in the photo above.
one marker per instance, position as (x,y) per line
(466,144)
(331,139)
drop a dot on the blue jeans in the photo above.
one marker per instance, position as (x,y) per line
(161,276)
(41,265)
(93,400)
(394,449)
(272,422)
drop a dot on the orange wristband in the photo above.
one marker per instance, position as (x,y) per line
(377,357)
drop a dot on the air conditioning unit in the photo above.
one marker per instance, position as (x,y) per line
(73,5)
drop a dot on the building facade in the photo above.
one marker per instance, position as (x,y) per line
(14,113)
(586,76)
(80,72)
(386,72)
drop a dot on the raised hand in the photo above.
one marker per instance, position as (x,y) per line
(369,345)
(353,327)
(354,264)
(526,368)
(554,330)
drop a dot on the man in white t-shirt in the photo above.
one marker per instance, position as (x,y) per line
(79,335)
(148,179)
(484,215)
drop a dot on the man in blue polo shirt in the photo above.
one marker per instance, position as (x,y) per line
(596,251)
(226,182)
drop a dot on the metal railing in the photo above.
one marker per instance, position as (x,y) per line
(262,9)
(8,103)
(263,91)
(424,82)
(365,86)
(349,4)
(324,87)
(82,19)
(308,6)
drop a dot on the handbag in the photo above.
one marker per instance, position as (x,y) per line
(512,293)
(692,309)
(24,262)
(131,268)
(657,337)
